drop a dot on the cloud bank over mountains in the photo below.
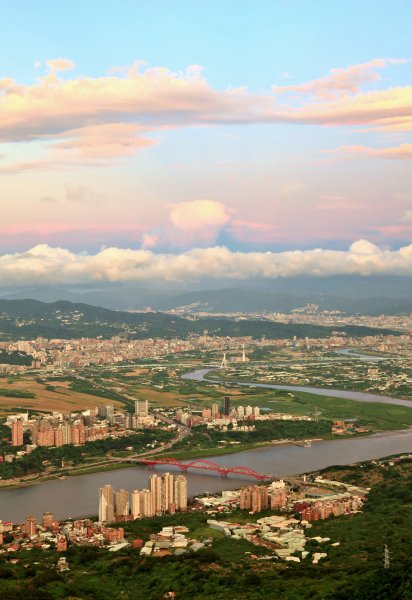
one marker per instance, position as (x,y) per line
(48,266)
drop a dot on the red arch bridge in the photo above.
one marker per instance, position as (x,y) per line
(205,465)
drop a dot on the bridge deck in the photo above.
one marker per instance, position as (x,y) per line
(205,465)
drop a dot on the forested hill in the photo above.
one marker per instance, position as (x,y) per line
(28,319)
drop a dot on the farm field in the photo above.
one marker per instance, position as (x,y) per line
(58,397)
(157,397)
(178,398)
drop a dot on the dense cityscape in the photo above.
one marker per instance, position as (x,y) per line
(299,503)
(206,300)
(121,404)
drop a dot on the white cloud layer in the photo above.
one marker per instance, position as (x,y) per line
(46,265)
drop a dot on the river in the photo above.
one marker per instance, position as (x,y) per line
(200,375)
(353,354)
(78,496)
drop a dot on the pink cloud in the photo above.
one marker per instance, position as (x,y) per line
(292,188)
(63,104)
(56,228)
(173,99)
(84,195)
(407,217)
(385,109)
(198,214)
(404,152)
(263,227)
(87,145)
(253,232)
(150,240)
(340,82)
(95,119)
(57,65)
(195,222)
(105,140)
(339,203)
(393,230)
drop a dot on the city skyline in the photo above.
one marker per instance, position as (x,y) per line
(167,494)
(222,141)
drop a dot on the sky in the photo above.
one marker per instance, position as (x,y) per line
(179,140)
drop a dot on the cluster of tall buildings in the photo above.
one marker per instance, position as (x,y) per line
(256,498)
(17,430)
(216,412)
(167,493)
(339,504)
(30,526)
(58,429)
(46,433)
(278,495)
(246,412)
(215,416)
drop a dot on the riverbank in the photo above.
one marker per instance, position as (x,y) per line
(343,387)
(201,375)
(179,455)
(97,469)
(65,474)
(219,451)
(78,495)
(199,453)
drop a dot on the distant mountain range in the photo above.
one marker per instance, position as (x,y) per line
(28,319)
(245,301)
(352,295)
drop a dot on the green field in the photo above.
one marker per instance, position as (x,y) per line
(380,416)
(213,451)
(97,469)
(194,395)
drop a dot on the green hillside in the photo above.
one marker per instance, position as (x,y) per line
(28,319)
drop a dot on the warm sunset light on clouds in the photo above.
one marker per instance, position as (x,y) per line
(57,265)
(148,146)
(199,214)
